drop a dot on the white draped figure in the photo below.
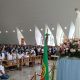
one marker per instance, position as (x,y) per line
(59,35)
(50,36)
(71,31)
(20,37)
(77,24)
(38,37)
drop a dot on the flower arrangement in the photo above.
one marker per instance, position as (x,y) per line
(71,48)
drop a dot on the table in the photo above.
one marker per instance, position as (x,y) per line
(68,69)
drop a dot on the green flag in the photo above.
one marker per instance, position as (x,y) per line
(45,74)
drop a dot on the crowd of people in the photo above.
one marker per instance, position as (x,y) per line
(11,52)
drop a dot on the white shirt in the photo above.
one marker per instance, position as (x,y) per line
(20,56)
(42,50)
(32,51)
(0,57)
(26,55)
(9,56)
(3,56)
(14,56)
(39,49)
(2,69)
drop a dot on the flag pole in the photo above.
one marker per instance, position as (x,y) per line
(45,73)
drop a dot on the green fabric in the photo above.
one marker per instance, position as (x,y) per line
(45,59)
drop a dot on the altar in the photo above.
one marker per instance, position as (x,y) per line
(68,69)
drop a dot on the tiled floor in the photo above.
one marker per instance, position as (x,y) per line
(27,72)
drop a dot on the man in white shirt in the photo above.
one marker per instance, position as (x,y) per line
(2,72)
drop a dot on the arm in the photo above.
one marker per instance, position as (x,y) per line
(1,72)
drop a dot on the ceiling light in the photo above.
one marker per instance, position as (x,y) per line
(53,28)
(65,27)
(30,30)
(41,29)
(6,31)
(21,30)
(0,32)
(13,30)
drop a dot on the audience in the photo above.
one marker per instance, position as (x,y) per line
(12,52)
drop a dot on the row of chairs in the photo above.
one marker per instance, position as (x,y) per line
(30,61)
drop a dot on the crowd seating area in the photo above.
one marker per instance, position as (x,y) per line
(16,55)
(20,55)
(19,63)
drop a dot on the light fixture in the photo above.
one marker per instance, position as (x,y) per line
(41,29)
(13,30)
(65,27)
(30,30)
(21,30)
(6,31)
(53,28)
(0,32)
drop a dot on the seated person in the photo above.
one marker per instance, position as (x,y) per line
(9,56)
(33,52)
(20,55)
(2,56)
(2,72)
(14,55)
(26,54)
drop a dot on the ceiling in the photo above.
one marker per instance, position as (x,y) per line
(25,14)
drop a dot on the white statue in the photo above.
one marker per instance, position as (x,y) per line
(77,24)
